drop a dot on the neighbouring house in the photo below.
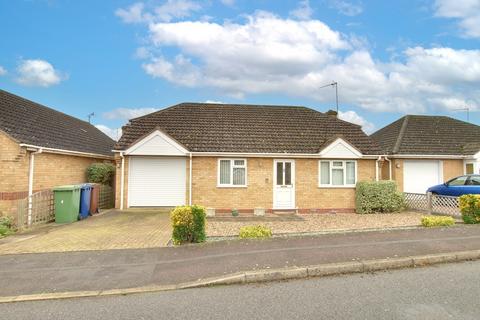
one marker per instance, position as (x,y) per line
(427,150)
(243,157)
(41,148)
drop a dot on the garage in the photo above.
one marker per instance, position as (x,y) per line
(419,175)
(156,181)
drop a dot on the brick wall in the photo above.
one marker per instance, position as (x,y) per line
(50,170)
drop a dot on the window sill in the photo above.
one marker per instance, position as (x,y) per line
(337,187)
(231,186)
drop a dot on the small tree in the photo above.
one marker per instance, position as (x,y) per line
(101,173)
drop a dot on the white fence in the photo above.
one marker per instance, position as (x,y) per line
(432,203)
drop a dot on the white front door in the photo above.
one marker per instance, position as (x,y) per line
(284,184)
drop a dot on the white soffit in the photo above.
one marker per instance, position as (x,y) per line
(157,144)
(340,149)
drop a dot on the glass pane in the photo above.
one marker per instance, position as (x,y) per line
(469,168)
(279,173)
(337,177)
(239,176)
(337,164)
(239,162)
(460,181)
(224,171)
(350,178)
(288,173)
(324,172)
(475,180)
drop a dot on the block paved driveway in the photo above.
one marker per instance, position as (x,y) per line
(130,229)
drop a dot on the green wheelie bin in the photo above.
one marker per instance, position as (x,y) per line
(67,203)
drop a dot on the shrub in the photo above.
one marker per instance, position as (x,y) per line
(255,232)
(6,226)
(437,221)
(378,197)
(188,224)
(470,208)
(234,213)
(101,173)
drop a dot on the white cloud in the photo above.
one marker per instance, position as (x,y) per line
(353,117)
(171,9)
(303,11)
(127,113)
(115,134)
(214,101)
(347,8)
(467,12)
(3,71)
(38,73)
(229,3)
(269,54)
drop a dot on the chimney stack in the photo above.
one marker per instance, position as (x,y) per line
(332,113)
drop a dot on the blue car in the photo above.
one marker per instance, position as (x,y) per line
(468,184)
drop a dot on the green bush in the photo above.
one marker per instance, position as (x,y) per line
(6,226)
(188,223)
(437,221)
(470,208)
(255,232)
(101,173)
(378,197)
(234,213)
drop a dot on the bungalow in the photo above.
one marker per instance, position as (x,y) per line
(41,148)
(427,150)
(242,157)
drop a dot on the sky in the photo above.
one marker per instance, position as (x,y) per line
(122,59)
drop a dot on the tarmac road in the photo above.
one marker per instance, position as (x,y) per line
(448,291)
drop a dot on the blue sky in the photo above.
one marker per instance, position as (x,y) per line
(121,59)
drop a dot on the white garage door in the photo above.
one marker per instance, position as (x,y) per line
(156,182)
(419,175)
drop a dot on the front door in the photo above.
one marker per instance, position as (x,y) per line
(284,184)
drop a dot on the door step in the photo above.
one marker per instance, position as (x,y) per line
(284,212)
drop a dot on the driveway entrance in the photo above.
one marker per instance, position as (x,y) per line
(129,229)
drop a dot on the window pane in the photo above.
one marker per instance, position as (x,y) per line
(288,173)
(224,171)
(475,181)
(460,181)
(469,168)
(324,172)
(239,176)
(350,178)
(337,163)
(337,177)
(239,162)
(279,173)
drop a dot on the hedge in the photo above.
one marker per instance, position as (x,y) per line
(470,208)
(188,223)
(101,173)
(378,197)
(255,232)
(437,221)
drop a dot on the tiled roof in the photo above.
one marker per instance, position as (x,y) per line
(202,127)
(429,135)
(32,123)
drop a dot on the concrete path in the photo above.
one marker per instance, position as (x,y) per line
(102,270)
(112,230)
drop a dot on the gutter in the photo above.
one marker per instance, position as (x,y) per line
(31,170)
(122,181)
(63,151)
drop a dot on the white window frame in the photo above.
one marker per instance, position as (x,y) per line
(232,166)
(344,166)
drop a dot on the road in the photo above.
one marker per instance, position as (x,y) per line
(441,292)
